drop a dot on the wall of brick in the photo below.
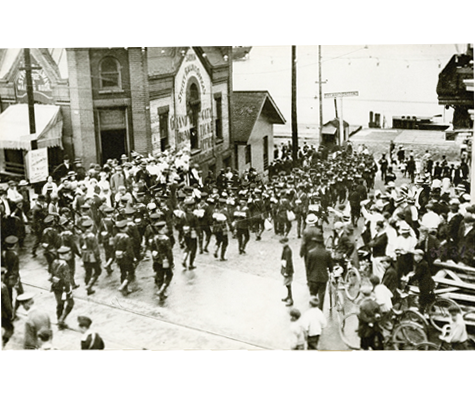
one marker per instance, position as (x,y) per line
(82,112)
(140,100)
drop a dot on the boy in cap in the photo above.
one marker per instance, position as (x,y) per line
(297,331)
(91,340)
(287,269)
(36,321)
(313,322)
(61,286)
(369,315)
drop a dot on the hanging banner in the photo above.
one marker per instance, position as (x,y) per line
(37,165)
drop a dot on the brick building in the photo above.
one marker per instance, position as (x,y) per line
(109,98)
(150,100)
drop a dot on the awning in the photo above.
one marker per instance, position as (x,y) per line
(15,127)
(329,130)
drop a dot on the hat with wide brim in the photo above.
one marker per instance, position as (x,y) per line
(311,219)
(25,297)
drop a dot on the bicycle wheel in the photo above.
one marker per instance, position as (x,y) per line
(349,331)
(407,335)
(438,312)
(352,284)
(426,346)
(416,317)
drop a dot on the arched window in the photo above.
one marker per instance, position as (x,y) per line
(193,105)
(110,73)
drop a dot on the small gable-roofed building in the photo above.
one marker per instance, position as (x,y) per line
(254,114)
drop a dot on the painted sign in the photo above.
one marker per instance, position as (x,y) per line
(181,125)
(184,122)
(41,83)
(341,94)
(37,165)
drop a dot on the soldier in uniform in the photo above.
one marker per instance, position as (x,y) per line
(107,233)
(7,311)
(133,232)
(50,240)
(38,213)
(68,239)
(220,229)
(301,208)
(124,255)
(162,257)
(11,262)
(242,225)
(61,286)
(36,322)
(257,208)
(190,234)
(91,256)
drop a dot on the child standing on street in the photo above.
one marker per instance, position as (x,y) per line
(297,332)
(287,269)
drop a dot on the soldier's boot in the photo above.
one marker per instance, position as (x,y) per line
(161,292)
(108,267)
(89,289)
(69,307)
(124,288)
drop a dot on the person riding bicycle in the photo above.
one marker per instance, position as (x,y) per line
(455,333)
(369,315)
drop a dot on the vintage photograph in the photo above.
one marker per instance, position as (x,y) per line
(280,197)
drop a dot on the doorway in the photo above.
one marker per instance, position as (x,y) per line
(113,144)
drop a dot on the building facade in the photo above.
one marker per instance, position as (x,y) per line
(189,103)
(254,114)
(109,98)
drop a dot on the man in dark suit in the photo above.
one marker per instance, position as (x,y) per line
(466,243)
(454,220)
(318,263)
(430,245)
(312,231)
(62,170)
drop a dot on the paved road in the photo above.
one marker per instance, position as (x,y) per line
(220,305)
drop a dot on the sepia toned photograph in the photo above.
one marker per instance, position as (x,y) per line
(279,197)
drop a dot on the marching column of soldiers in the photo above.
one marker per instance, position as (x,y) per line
(135,210)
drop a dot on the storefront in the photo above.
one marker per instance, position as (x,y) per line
(52,111)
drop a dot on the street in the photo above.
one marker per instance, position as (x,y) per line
(220,305)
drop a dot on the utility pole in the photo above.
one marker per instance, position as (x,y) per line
(320,96)
(29,94)
(295,138)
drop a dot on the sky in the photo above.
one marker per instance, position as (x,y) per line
(393,80)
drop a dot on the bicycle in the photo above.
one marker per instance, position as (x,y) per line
(444,345)
(401,330)
(335,298)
